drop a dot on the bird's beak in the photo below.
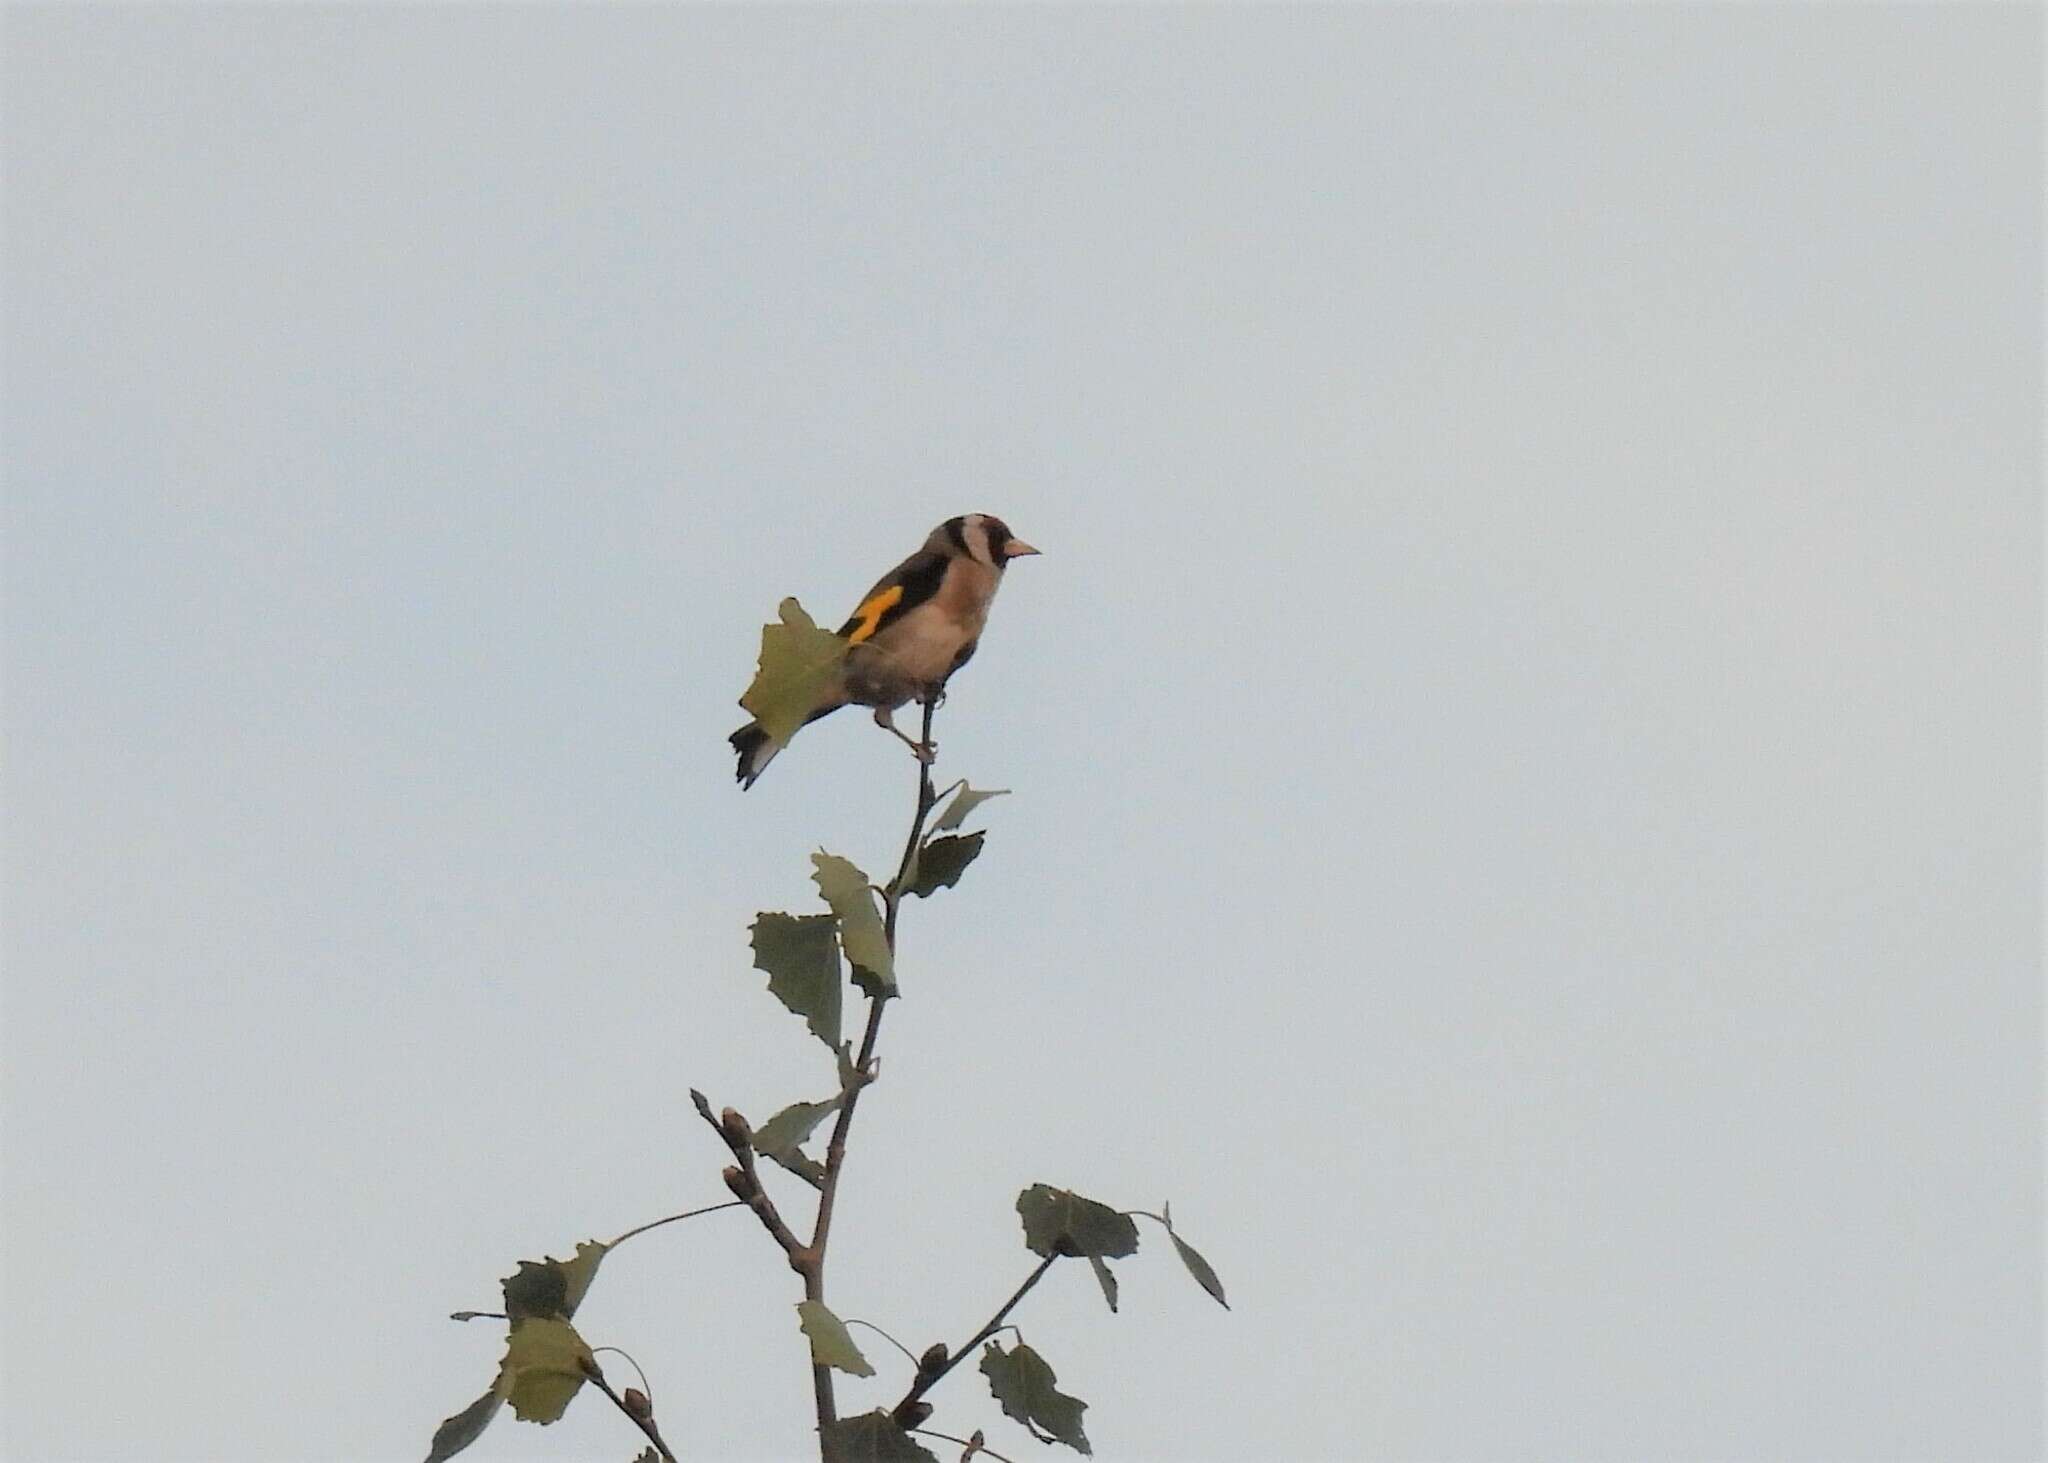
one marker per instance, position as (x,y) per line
(1016,548)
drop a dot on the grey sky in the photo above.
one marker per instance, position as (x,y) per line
(1525,734)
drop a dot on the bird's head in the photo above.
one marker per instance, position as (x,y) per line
(982,537)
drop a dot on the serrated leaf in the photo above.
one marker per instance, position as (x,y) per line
(544,1364)
(799,667)
(873,985)
(551,1287)
(543,1293)
(873,1437)
(1023,1384)
(801,955)
(831,1343)
(941,862)
(466,1426)
(1104,1279)
(1061,1222)
(1199,1268)
(964,803)
(861,934)
(786,1132)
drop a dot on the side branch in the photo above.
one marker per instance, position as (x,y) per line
(942,1362)
(745,1182)
(642,1415)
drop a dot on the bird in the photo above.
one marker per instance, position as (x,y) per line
(917,626)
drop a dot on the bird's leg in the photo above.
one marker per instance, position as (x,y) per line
(885,718)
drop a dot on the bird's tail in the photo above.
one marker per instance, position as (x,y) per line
(756,751)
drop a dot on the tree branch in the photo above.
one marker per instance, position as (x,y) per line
(835,1149)
(930,1378)
(642,1417)
(926,798)
(745,1182)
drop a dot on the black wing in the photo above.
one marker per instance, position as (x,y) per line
(910,584)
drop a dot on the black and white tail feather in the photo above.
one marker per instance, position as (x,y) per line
(756,751)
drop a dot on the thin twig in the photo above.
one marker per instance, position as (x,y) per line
(870,1325)
(835,1149)
(926,1380)
(642,1229)
(745,1182)
(646,1387)
(686,1214)
(971,1447)
(646,1424)
(927,798)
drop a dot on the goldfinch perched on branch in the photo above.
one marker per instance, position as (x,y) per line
(918,625)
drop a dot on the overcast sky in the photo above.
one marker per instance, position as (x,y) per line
(1525,734)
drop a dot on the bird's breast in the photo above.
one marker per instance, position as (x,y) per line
(919,649)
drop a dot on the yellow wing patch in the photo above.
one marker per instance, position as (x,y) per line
(868,618)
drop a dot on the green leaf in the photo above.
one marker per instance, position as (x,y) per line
(873,1437)
(802,1165)
(866,944)
(1104,1279)
(1023,1383)
(466,1426)
(1061,1222)
(941,862)
(831,1345)
(550,1287)
(540,1293)
(964,803)
(543,1368)
(800,666)
(1199,1268)
(786,1132)
(801,955)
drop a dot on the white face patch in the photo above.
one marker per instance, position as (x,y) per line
(975,531)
